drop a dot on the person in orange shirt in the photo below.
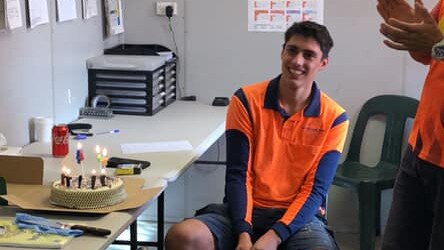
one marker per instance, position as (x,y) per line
(284,140)
(416,219)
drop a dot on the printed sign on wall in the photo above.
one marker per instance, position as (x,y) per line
(277,15)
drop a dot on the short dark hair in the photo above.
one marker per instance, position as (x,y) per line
(309,29)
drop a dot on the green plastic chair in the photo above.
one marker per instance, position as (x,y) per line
(368,182)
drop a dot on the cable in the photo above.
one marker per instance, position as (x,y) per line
(169,13)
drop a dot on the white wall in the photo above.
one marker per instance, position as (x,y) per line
(217,56)
(39,65)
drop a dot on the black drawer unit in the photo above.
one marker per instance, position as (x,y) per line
(153,50)
(136,85)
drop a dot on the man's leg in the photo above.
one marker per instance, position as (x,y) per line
(409,223)
(314,236)
(435,186)
(189,234)
(210,229)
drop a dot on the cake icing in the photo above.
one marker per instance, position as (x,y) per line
(87,197)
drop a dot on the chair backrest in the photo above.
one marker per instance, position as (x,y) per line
(396,109)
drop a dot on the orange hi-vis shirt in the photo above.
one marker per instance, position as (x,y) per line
(279,161)
(427,136)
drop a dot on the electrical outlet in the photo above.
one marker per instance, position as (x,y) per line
(160,8)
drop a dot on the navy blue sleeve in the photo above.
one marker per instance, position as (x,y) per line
(236,179)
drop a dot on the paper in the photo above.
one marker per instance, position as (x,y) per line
(66,10)
(38,12)
(13,14)
(89,8)
(278,15)
(114,17)
(167,146)
(8,150)
(13,236)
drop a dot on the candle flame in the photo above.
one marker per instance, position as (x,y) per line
(93,171)
(68,171)
(79,146)
(97,149)
(104,152)
(103,171)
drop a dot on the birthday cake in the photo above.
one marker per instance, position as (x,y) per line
(79,191)
(87,195)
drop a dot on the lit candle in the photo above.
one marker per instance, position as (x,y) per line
(93,178)
(99,156)
(80,156)
(103,177)
(104,157)
(79,179)
(62,179)
(68,177)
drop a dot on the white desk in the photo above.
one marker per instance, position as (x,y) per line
(200,124)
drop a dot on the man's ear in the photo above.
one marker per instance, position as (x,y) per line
(324,62)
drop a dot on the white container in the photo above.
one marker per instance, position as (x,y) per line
(42,129)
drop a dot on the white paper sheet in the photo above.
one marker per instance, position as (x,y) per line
(89,8)
(66,10)
(38,12)
(13,14)
(147,147)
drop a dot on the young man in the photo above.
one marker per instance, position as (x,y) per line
(416,219)
(284,140)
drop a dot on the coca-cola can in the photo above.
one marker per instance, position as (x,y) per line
(60,144)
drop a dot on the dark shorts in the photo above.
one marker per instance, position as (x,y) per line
(314,235)
(416,219)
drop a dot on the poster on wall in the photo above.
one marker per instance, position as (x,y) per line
(277,15)
(89,8)
(66,10)
(114,17)
(13,14)
(37,12)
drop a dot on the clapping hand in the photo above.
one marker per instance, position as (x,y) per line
(398,9)
(417,33)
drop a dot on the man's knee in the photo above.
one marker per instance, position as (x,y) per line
(189,234)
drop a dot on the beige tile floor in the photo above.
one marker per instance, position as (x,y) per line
(147,232)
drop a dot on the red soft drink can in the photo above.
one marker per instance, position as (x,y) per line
(60,144)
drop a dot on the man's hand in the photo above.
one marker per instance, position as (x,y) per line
(244,242)
(269,241)
(412,36)
(398,9)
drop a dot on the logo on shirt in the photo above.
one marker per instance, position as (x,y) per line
(315,130)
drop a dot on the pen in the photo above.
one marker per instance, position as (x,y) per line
(114,131)
(82,136)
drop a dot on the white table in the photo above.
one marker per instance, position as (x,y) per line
(200,124)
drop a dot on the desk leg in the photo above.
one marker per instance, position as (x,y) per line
(133,235)
(160,220)
(134,243)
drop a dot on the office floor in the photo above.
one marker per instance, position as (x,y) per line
(147,232)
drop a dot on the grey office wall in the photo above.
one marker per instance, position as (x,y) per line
(40,66)
(220,55)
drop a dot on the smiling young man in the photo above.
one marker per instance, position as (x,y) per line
(284,140)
